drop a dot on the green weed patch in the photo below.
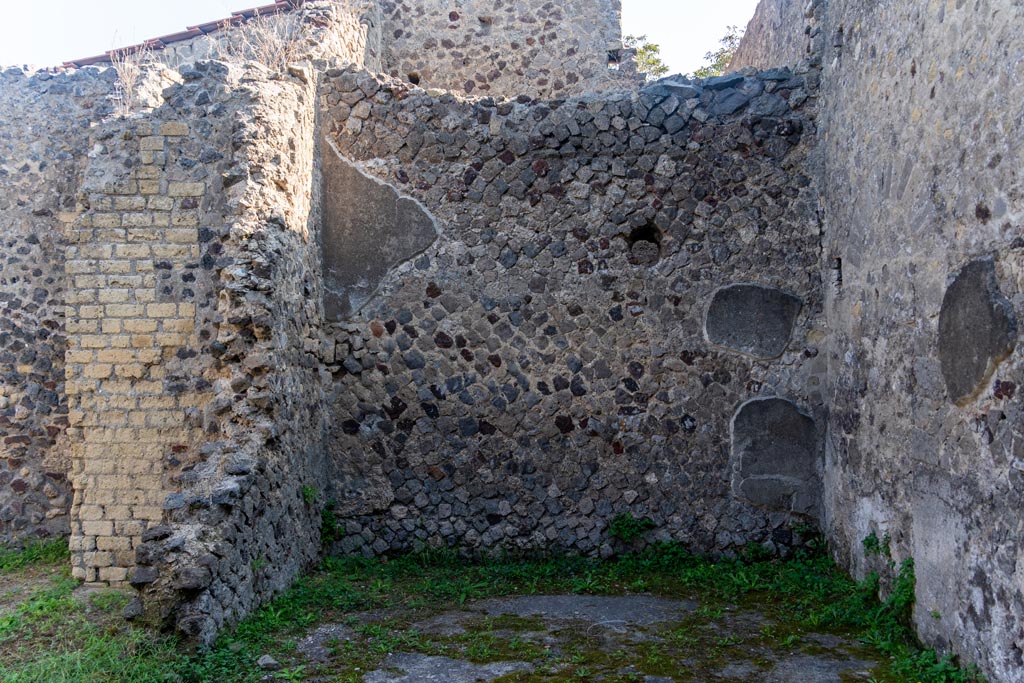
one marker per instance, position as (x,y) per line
(55,636)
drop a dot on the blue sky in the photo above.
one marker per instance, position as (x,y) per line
(685,29)
(51,32)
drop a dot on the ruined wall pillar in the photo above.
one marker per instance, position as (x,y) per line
(131,310)
(191,312)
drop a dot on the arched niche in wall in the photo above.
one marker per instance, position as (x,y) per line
(775,456)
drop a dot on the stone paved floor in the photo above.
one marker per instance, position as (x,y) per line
(625,639)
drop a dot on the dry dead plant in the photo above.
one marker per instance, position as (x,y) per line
(274,40)
(128,65)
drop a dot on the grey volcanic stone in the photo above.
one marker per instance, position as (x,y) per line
(977,330)
(723,82)
(140,576)
(133,610)
(268,663)
(673,86)
(368,229)
(645,253)
(817,669)
(729,102)
(752,319)
(769,105)
(615,612)
(775,453)
(413,668)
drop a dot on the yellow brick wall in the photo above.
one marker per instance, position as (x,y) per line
(122,331)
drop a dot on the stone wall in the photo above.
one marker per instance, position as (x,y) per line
(531,359)
(140,291)
(183,244)
(244,521)
(342,31)
(490,323)
(920,121)
(501,48)
(192,375)
(43,143)
(779,34)
(921,134)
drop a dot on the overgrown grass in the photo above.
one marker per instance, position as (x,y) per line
(628,528)
(58,635)
(39,553)
(63,639)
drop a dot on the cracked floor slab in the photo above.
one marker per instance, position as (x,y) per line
(608,639)
(416,668)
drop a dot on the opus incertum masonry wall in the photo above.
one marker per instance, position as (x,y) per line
(533,362)
(460,276)
(921,198)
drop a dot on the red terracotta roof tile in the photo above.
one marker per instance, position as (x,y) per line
(178,37)
(236,18)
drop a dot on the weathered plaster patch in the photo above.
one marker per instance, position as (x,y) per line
(752,319)
(977,330)
(368,230)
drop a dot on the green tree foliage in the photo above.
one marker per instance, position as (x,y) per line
(718,60)
(648,56)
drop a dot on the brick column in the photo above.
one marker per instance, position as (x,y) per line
(125,320)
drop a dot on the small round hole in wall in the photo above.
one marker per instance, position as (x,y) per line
(644,245)
(414,77)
